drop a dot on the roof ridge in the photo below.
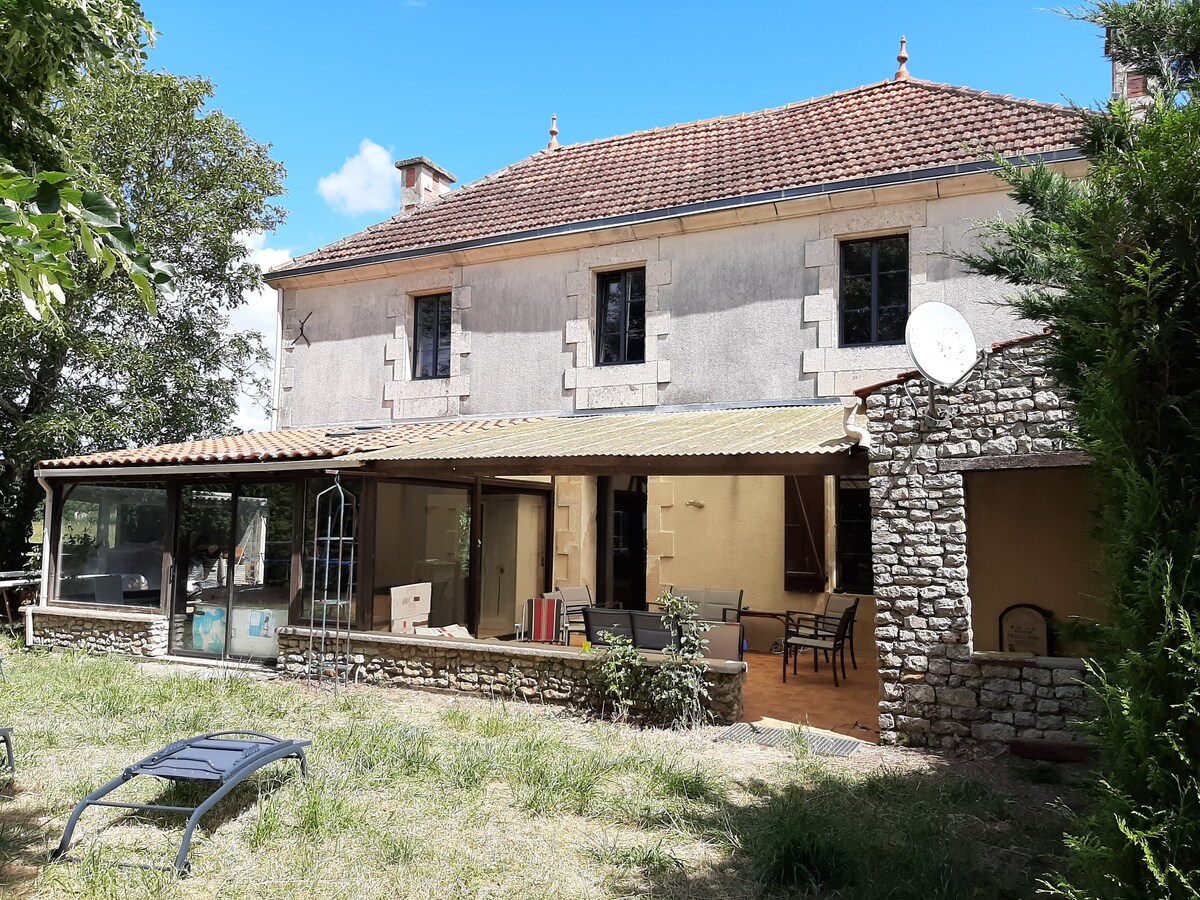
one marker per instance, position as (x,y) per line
(947,88)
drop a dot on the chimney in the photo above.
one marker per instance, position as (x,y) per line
(424,180)
(1132,87)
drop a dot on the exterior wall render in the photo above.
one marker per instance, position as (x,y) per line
(935,690)
(745,313)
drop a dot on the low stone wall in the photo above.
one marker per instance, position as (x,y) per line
(994,699)
(560,676)
(103,631)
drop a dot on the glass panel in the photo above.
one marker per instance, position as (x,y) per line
(334,542)
(422,544)
(443,345)
(199,613)
(892,320)
(424,337)
(856,293)
(635,348)
(636,320)
(856,327)
(637,286)
(111,545)
(856,258)
(893,289)
(893,254)
(513,559)
(262,569)
(610,348)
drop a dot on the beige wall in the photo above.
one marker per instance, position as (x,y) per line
(760,297)
(1028,541)
(720,532)
(575,531)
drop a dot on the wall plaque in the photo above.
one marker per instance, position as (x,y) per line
(1023,629)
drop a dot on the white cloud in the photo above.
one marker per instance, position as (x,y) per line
(258,313)
(367,182)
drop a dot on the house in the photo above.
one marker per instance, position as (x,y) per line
(629,363)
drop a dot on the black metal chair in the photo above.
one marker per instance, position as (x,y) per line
(6,739)
(835,605)
(819,633)
(598,620)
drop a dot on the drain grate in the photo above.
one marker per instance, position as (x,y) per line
(818,744)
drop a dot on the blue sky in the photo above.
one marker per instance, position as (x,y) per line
(342,89)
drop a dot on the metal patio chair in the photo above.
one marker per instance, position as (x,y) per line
(10,759)
(543,620)
(575,601)
(226,758)
(818,633)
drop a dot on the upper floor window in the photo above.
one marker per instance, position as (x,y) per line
(431,336)
(622,316)
(874,290)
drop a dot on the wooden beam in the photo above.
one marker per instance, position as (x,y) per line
(1058,460)
(747,464)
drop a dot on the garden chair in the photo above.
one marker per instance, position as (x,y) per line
(575,601)
(6,739)
(597,621)
(813,631)
(226,758)
(543,620)
(835,605)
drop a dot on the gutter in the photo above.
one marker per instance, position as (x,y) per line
(655,215)
(264,465)
(853,429)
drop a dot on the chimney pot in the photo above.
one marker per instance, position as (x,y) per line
(423,180)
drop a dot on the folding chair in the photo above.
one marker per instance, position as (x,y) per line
(542,621)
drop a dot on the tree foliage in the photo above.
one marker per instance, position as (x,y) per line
(103,374)
(1113,264)
(50,213)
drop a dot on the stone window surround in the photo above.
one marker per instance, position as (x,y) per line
(424,398)
(592,386)
(828,360)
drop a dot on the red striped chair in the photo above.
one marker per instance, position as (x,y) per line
(542,621)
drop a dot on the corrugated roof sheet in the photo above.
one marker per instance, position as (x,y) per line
(880,129)
(711,432)
(299,443)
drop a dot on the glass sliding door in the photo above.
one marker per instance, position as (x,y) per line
(200,605)
(513,558)
(423,540)
(261,565)
(232,574)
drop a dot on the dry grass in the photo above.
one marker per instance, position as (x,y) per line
(423,796)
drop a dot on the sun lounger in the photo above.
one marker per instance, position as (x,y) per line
(226,758)
(6,740)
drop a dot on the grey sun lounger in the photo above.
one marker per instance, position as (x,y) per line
(226,758)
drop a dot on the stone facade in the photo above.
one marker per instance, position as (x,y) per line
(559,676)
(934,690)
(103,631)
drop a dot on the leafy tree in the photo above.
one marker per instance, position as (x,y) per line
(102,373)
(50,216)
(1113,264)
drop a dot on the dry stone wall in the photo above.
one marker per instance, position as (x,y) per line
(134,634)
(564,677)
(934,690)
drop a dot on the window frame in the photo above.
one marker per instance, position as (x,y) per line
(603,279)
(438,299)
(874,241)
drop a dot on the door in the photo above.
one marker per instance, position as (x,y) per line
(629,549)
(200,588)
(512,558)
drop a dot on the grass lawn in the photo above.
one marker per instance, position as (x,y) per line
(424,796)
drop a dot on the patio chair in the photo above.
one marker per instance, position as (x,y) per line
(6,739)
(811,631)
(835,605)
(543,621)
(597,620)
(575,601)
(713,604)
(224,757)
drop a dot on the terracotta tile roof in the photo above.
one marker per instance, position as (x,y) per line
(881,129)
(300,443)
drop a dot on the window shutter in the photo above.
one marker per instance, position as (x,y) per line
(804,533)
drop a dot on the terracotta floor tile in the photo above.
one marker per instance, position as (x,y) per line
(809,698)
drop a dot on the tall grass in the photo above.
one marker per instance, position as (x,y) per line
(412,796)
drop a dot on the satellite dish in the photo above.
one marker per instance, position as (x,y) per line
(941,343)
